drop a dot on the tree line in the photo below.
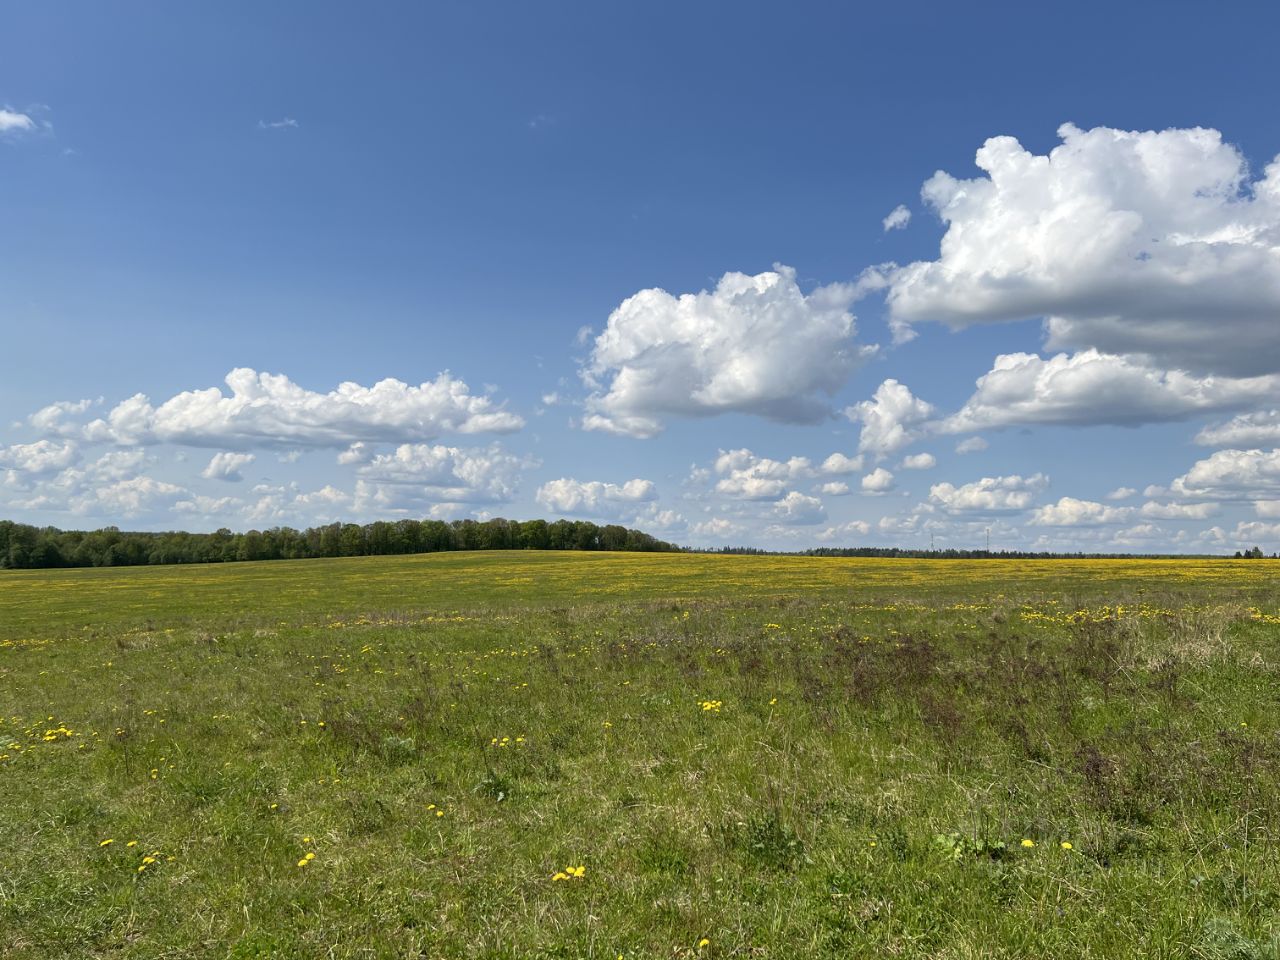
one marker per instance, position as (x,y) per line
(952,554)
(27,547)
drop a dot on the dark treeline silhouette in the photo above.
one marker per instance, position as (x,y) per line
(992,554)
(25,547)
(907,553)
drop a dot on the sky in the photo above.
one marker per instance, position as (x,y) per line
(785,276)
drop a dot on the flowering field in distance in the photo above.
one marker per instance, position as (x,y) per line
(517,755)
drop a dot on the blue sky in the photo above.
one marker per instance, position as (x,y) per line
(328,194)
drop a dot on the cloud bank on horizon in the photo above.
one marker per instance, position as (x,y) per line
(1150,260)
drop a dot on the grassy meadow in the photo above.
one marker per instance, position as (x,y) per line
(559,755)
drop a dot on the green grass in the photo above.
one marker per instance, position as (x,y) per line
(784,757)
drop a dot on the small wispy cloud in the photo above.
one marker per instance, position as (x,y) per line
(285,123)
(897,219)
(12,121)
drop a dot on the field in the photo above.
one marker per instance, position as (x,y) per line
(517,755)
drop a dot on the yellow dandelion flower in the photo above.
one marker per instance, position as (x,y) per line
(1065,844)
(1028,843)
(704,942)
(106,843)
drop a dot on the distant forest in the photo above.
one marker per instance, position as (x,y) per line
(950,554)
(1255,553)
(27,547)
(23,546)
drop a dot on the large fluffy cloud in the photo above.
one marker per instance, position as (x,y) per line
(1154,243)
(270,410)
(419,473)
(1096,388)
(227,466)
(594,498)
(1231,475)
(892,419)
(797,508)
(745,476)
(754,344)
(110,487)
(1071,512)
(878,480)
(1255,429)
(41,457)
(990,495)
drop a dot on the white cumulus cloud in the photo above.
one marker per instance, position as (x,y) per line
(990,495)
(12,121)
(797,508)
(745,476)
(1179,511)
(1129,242)
(838,465)
(878,480)
(1096,388)
(919,461)
(227,466)
(1231,475)
(754,344)
(419,473)
(854,528)
(891,419)
(596,499)
(1070,512)
(1256,429)
(265,410)
(127,498)
(1256,532)
(41,457)
(358,452)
